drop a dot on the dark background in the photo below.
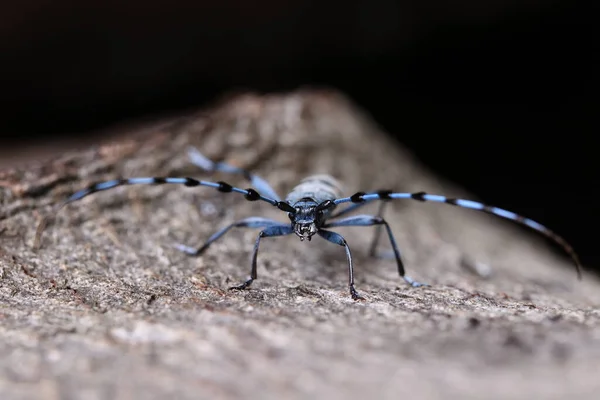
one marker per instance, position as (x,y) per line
(495,96)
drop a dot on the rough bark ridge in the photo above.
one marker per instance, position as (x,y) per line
(106,309)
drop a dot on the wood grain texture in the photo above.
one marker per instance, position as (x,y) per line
(106,309)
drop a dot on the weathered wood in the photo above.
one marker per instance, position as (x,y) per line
(107,309)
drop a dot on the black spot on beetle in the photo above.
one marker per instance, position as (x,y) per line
(191,182)
(384,194)
(419,196)
(252,195)
(357,197)
(224,187)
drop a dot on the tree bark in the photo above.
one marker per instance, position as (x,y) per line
(106,308)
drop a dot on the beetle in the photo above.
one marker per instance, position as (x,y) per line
(312,208)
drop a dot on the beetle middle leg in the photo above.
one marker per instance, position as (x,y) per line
(369,220)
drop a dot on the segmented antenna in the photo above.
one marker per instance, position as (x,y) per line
(361,197)
(249,194)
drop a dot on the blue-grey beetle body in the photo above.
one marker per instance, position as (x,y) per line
(310,207)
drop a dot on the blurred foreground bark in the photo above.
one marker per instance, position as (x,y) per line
(107,309)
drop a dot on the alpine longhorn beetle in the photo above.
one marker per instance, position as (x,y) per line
(310,207)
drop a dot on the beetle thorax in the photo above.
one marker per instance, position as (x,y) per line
(317,188)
